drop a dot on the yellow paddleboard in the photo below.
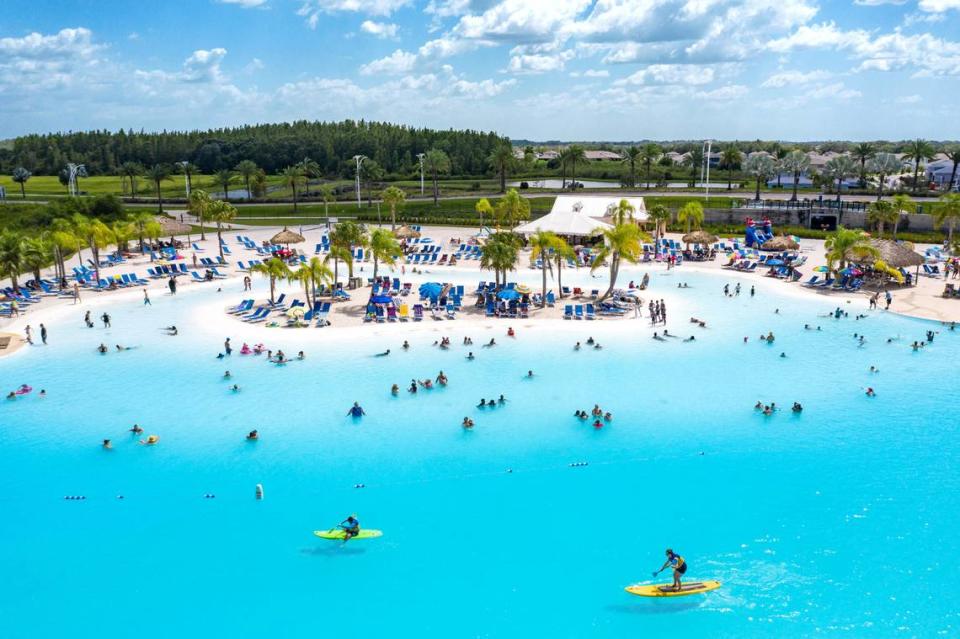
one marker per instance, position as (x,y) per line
(666,590)
(336,533)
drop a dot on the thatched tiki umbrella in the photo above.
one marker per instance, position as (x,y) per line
(895,255)
(286,237)
(405,232)
(172,227)
(780,243)
(699,237)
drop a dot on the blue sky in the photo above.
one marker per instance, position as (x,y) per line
(536,69)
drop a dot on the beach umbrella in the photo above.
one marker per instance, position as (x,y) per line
(296,311)
(381,299)
(171,227)
(523,289)
(431,290)
(286,237)
(821,269)
(699,237)
(406,232)
(508,294)
(780,243)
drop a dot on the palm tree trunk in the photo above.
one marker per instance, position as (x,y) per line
(916,174)
(503,178)
(839,181)
(757,198)
(273,283)
(614,271)
(647,185)
(219,240)
(294,187)
(796,182)
(563,175)
(95,250)
(559,284)
(23,193)
(880,188)
(953,176)
(375,265)
(336,272)
(159,197)
(436,188)
(249,195)
(543,302)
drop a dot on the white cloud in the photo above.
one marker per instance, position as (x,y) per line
(835,91)
(909,99)
(381,30)
(133,35)
(938,6)
(397,63)
(256,64)
(724,93)
(671,74)
(794,78)
(877,3)
(246,4)
(312,10)
(483,89)
(590,73)
(538,63)
(928,54)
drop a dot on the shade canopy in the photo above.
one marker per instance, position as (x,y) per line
(508,294)
(381,299)
(894,254)
(580,215)
(780,243)
(699,237)
(286,237)
(431,290)
(405,232)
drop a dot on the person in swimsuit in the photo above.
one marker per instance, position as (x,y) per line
(351,528)
(679,566)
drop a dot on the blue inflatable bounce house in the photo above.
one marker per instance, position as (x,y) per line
(758,232)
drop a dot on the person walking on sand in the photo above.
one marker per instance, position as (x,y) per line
(146,298)
(889,299)
(43,334)
(76,293)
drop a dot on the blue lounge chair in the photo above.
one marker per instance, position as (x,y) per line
(568,311)
(590,313)
(812,281)
(578,312)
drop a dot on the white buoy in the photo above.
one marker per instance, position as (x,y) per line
(259,491)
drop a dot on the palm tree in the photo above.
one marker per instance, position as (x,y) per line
(483,207)
(436,162)
(623,212)
(839,169)
(123,232)
(348,235)
(730,159)
(578,156)
(796,163)
(631,156)
(311,170)
(199,207)
(247,169)
(918,151)
(221,213)
(622,243)
(384,248)
(139,220)
(846,244)
(11,257)
(338,253)
(274,269)
(541,243)
(884,164)
(310,275)
(393,197)
(64,242)
(34,255)
(948,212)
(20,175)
(650,154)
(563,158)
(660,215)
(902,204)
(690,214)
(223,178)
(761,167)
(500,254)
(292,177)
(881,212)
(187,169)
(512,208)
(694,160)
(561,252)
(131,171)
(502,161)
(157,174)
(777,154)
(863,153)
(326,194)
(95,234)
(953,154)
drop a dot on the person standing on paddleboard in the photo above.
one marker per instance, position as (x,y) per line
(679,566)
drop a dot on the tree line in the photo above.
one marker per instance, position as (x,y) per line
(332,145)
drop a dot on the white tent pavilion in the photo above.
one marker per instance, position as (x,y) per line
(579,215)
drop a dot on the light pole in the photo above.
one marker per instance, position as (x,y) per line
(421,156)
(74,170)
(359,160)
(186,176)
(708,145)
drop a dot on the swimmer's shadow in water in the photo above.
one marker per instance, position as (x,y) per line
(332,551)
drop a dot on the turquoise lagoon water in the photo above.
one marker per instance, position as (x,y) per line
(840,521)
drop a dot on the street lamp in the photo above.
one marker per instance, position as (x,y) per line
(74,170)
(707,146)
(186,176)
(421,156)
(359,160)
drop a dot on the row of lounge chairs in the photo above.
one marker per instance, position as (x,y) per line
(845,283)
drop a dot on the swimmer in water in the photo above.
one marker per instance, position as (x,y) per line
(783,354)
(482,404)
(406,345)
(413,386)
(442,379)
(597,346)
(608,417)
(797,408)
(394,390)
(492,342)
(107,444)
(356,410)
(235,388)
(470,355)
(758,405)
(136,430)
(171,330)
(227,375)
(690,339)
(597,424)
(590,340)
(576,346)
(870,392)
(43,393)
(301,356)
(874,369)
(529,374)
(102,349)
(502,400)
(253,435)
(467,422)
(510,332)
(383,354)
